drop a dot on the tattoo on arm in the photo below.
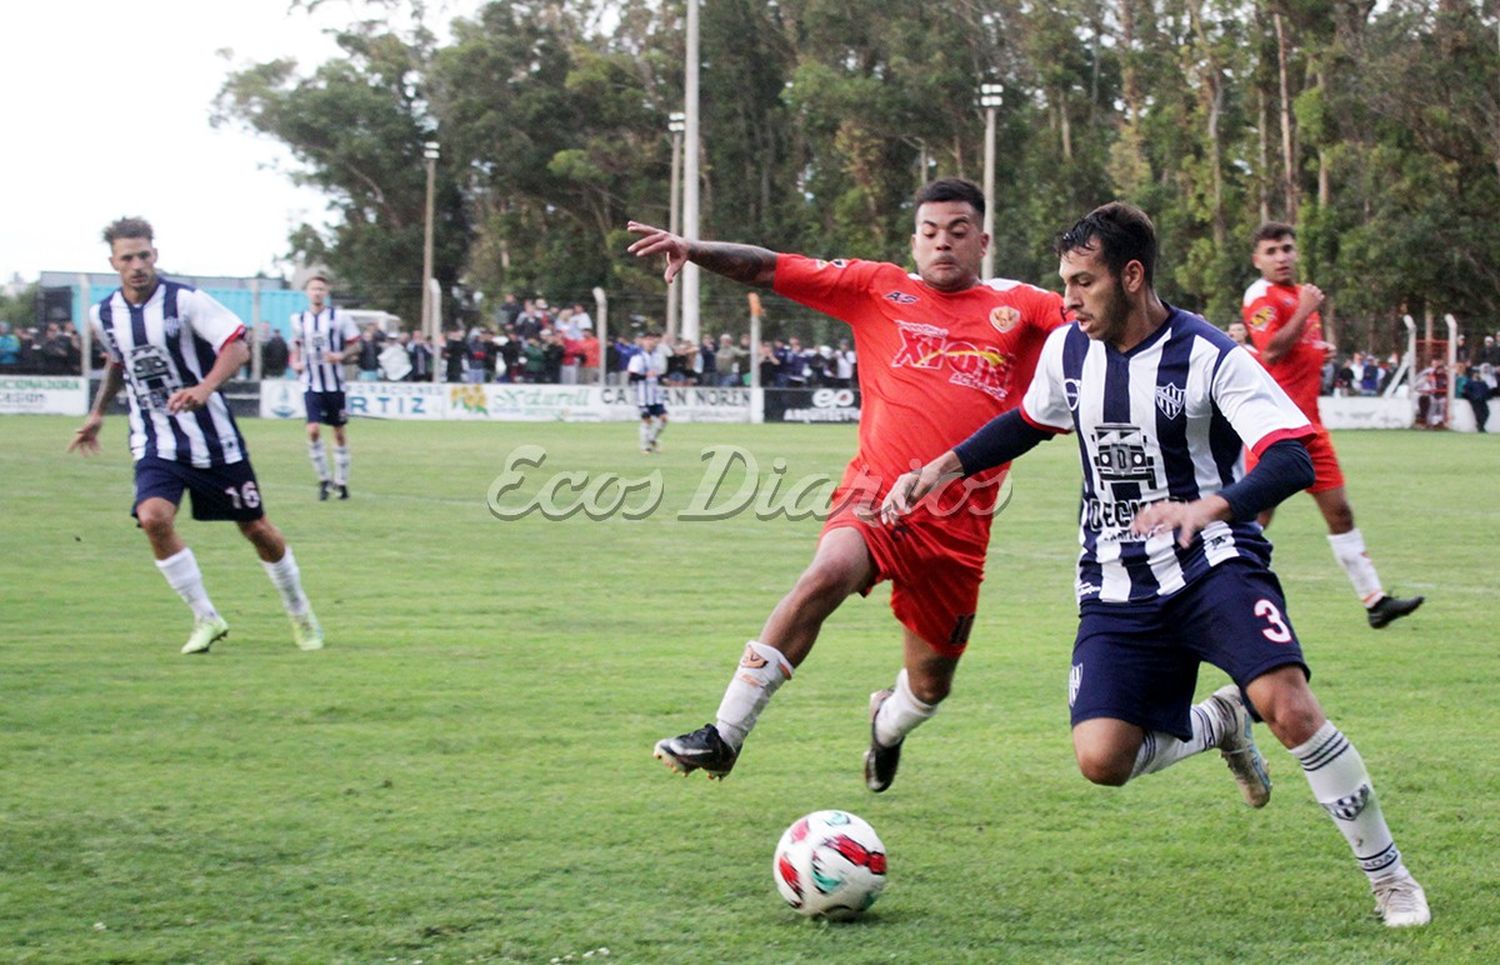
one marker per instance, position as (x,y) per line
(743,263)
(114,381)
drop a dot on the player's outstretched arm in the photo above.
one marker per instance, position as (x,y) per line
(86,439)
(744,263)
(910,488)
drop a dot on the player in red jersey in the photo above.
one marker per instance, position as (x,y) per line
(940,354)
(1288,332)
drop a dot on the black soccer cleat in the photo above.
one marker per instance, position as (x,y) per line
(343,491)
(703,750)
(880,761)
(1390,608)
(323,488)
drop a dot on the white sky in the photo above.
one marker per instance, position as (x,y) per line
(93,90)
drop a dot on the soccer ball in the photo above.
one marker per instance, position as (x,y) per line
(830,864)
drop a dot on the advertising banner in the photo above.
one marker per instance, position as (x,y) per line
(685,403)
(812,405)
(282,399)
(43,395)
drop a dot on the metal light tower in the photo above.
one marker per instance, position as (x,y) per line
(690,176)
(676,123)
(430,152)
(989,99)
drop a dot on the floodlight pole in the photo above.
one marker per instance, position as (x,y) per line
(989,99)
(676,123)
(430,153)
(690,177)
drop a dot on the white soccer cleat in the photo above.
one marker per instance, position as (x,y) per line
(307,631)
(206,632)
(1400,901)
(1238,747)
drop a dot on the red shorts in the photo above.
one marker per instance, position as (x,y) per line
(935,568)
(1326,472)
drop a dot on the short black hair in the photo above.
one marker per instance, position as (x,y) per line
(952,189)
(1272,231)
(1120,232)
(127,228)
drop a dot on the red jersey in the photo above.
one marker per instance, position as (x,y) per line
(933,366)
(1267,309)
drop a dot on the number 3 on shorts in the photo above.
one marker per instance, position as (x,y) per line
(248,497)
(1278,631)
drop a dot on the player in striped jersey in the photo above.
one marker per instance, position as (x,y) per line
(1174,570)
(322,340)
(173,346)
(645,370)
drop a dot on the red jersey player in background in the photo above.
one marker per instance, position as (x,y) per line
(941,353)
(1286,328)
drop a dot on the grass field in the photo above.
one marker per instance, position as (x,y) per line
(465,773)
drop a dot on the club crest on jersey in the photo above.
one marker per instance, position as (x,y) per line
(971,364)
(901,298)
(1005,318)
(172,327)
(1169,400)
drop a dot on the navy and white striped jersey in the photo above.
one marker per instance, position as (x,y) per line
(1165,420)
(170,343)
(317,333)
(649,367)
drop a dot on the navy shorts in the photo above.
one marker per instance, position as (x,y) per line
(1138,662)
(648,411)
(326,407)
(219,492)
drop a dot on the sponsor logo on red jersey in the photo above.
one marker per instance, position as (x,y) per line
(968,363)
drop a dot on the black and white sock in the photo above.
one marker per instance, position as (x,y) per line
(1341,784)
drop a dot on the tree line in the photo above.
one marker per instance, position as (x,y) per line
(1375,127)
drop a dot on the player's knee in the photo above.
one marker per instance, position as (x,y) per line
(1103,766)
(1291,712)
(155,521)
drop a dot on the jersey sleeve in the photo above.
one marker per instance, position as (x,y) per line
(295,328)
(1045,404)
(98,326)
(839,287)
(637,364)
(349,330)
(1044,310)
(1262,316)
(211,321)
(1258,409)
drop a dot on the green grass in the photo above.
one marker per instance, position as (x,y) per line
(464,774)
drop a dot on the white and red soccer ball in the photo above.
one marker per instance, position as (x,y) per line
(830,864)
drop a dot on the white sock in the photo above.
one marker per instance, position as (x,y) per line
(761,671)
(645,434)
(319,459)
(1349,550)
(341,465)
(1342,785)
(901,713)
(658,426)
(288,582)
(1161,750)
(182,574)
